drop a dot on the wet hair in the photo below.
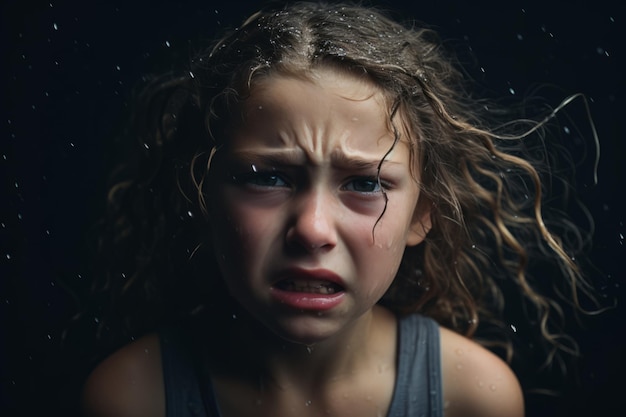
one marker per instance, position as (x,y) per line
(480,178)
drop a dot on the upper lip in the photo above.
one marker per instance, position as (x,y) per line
(317,274)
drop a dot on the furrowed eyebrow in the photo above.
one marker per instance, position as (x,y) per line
(280,158)
(287,157)
(342,160)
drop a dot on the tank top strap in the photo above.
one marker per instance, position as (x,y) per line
(183,378)
(419,386)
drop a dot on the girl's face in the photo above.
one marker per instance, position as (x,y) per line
(296,220)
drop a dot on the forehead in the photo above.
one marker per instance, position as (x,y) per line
(319,114)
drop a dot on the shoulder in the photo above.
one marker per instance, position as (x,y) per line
(129,383)
(477,382)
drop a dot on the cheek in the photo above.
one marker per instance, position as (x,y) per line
(242,237)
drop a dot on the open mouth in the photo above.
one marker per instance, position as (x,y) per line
(309,286)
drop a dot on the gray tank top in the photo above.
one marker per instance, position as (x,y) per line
(417,393)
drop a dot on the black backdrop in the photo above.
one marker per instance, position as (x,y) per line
(67,70)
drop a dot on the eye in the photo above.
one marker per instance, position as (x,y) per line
(363,185)
(260,179)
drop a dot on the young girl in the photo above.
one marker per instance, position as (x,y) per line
(319,220)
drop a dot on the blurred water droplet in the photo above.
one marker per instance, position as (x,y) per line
(513,328)
(55,26)
(511,90)
(492,387)
(566,129)
(167,43)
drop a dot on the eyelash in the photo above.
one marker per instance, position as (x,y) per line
(273,179)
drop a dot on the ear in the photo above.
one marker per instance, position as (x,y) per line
(421,222)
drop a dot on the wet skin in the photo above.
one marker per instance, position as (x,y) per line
(297,226)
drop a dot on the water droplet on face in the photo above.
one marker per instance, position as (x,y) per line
(459,366)
(492,387)
(308,403)
(480,384)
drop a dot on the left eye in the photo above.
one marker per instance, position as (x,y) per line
(363,185)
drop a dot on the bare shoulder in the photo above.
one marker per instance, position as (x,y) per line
(129,383)
(476,381)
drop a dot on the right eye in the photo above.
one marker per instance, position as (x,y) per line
(261,179)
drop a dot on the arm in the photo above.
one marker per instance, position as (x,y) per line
(129,383)
(477,382)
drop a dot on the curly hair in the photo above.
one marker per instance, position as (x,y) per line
(485,186)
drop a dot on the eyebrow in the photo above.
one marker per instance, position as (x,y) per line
(288,157)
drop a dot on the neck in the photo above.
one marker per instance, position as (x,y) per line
(261,357)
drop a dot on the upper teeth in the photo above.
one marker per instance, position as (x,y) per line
(320,287)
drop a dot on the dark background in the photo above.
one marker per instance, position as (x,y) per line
(67,71)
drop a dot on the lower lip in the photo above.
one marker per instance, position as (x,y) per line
(306,300)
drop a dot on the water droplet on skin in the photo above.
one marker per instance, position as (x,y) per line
(308,403)
(492,387)
(146,350)
(480,384)
(459,351)
(459,366)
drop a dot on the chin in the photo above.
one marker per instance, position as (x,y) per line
(305,331)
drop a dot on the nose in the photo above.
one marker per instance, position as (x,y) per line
(312,224)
